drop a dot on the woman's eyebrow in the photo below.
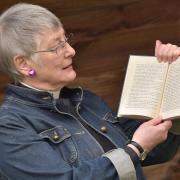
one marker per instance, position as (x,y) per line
(57,39)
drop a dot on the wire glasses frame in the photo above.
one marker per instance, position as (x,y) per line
(58,49)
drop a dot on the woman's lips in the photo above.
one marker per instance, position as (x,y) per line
(67,67)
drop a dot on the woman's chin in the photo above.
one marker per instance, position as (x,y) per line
(71,76)
(66,78)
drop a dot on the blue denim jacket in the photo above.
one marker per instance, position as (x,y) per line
(40,142)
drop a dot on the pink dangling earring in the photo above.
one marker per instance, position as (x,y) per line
(31,72)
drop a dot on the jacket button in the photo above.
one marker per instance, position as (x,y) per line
(56,137)
(104,129)
(79,108)
(116,117)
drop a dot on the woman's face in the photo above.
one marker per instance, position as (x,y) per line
(55,68)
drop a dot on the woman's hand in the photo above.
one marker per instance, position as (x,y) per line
(152,133)
(166,52)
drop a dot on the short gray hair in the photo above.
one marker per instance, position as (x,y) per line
(20,27)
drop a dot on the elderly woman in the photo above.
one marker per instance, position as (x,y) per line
(48,131)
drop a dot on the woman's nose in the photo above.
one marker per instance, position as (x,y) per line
(70,51)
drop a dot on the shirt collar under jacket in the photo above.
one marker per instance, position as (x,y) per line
(54,93)
(33,97)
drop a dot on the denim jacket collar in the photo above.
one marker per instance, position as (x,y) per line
(41,98)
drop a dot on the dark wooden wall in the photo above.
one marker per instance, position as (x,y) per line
(106,32)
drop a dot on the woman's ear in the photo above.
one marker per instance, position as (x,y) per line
(22,64)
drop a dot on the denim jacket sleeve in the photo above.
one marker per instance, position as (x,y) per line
(25,156)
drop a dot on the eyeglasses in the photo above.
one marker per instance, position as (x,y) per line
(59,49)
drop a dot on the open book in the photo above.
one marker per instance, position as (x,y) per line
(151,89)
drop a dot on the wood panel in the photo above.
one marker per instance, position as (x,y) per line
(166,171)
(106,32)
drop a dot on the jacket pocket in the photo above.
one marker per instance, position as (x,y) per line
(60,139)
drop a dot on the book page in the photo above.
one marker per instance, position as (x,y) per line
(142,88)
(171,97)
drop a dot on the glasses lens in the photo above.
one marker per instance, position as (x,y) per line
(69,38)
